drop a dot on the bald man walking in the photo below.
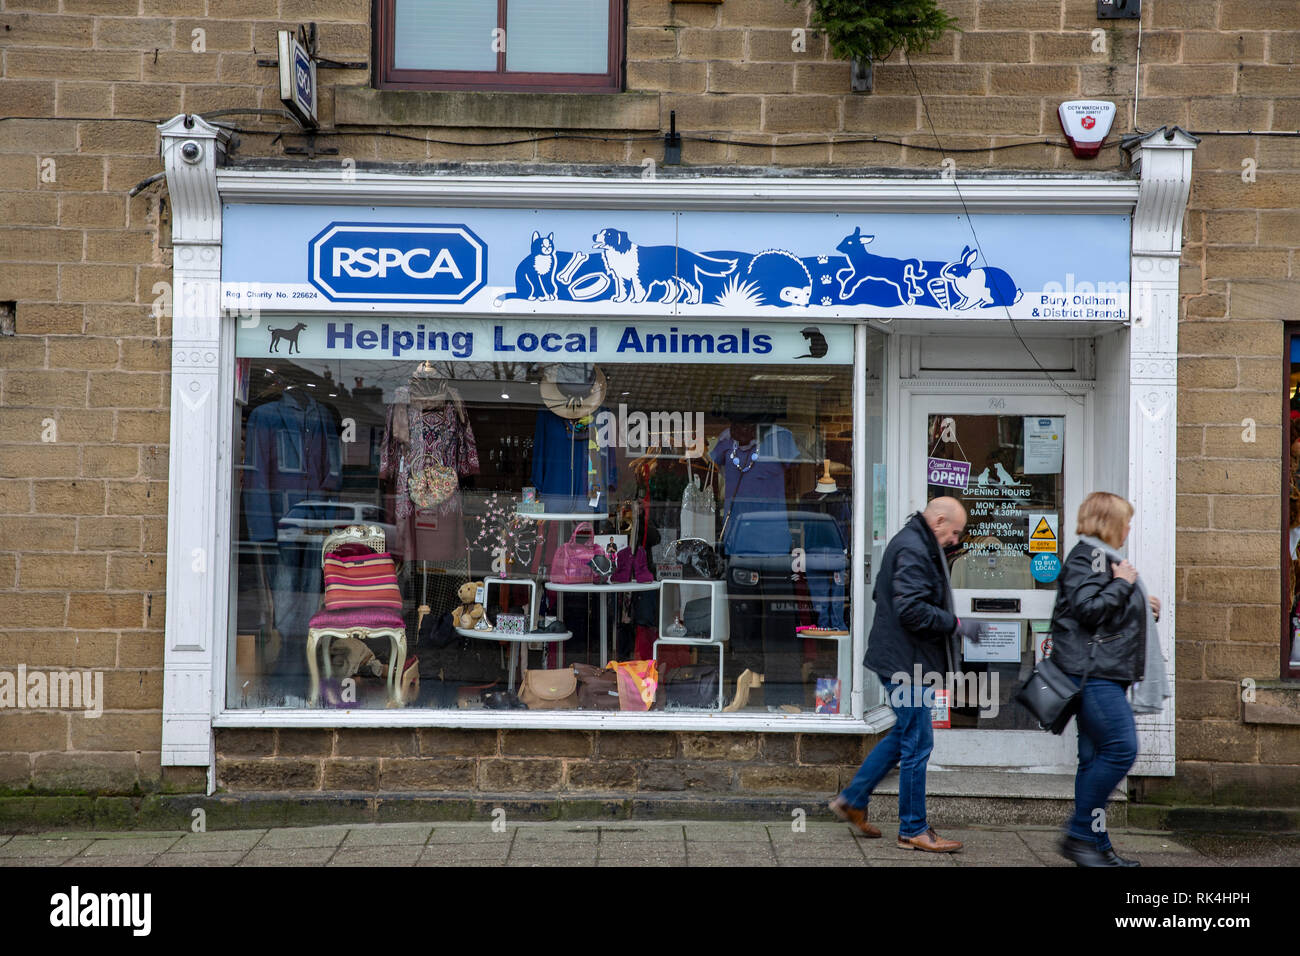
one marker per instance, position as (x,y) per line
(915,624)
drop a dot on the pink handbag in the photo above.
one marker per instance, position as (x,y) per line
(569,566)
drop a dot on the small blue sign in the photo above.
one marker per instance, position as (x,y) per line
(302,80)
(1045,568)
(395,262)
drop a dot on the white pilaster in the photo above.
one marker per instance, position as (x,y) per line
(198,529)
(1164,161)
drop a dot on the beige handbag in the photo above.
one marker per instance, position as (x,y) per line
(550,690)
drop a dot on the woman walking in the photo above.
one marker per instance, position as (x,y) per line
(1104,638)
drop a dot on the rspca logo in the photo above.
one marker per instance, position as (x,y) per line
(303,80)
(356,262)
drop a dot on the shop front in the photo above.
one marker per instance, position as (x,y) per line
(576,454)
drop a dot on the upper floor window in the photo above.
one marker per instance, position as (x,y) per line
(524,45)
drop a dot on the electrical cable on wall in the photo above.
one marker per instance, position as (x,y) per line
(970,222)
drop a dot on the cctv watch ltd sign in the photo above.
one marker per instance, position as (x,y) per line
(395,262)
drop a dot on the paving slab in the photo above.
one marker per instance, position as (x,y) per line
(133,859)
(582,862)
(218,840)
(34,847)
(820,862)
(664,833)
(727,833)
(390,855)
(388,834)
(574,836)
(639,854)
(449,855)
(207,858)
(296,856)
(829,835)
(286,838)
(471,834)
(147,846)
(712,854)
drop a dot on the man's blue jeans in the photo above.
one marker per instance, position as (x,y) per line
(908,747)
(1107,749)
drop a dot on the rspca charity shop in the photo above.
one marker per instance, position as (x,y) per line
(643,263)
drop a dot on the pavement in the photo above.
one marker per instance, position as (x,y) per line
(794,843)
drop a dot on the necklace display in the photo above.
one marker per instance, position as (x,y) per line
(735,460)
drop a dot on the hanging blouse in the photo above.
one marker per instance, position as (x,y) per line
(420,444)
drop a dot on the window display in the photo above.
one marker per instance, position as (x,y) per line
(631,531)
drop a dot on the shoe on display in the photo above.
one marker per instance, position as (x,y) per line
(744,683)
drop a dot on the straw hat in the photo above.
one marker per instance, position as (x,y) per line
(573,391)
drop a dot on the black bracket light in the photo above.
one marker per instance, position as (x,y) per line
(672,142)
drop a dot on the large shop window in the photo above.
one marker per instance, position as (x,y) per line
(1291,506)
(558,46)
(619,517)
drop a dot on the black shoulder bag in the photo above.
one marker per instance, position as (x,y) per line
(1051,696)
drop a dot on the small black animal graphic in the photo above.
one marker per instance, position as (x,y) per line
(538,269)
(817,344)
(289,335)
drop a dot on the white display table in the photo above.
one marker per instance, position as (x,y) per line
(522,640)
(601,589)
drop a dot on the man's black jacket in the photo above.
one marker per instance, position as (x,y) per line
(913,623)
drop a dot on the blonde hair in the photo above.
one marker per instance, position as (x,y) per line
(1104,515)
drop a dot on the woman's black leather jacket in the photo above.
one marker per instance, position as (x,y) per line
(1099,617)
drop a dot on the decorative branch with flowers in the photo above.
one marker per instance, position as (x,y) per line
(499,529)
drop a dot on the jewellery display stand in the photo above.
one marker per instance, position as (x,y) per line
(718,619)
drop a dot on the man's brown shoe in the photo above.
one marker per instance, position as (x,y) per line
(929,841)
(854,816)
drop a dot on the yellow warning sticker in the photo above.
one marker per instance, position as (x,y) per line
(1042,534)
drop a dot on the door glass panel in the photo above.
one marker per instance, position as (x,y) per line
(1009,473)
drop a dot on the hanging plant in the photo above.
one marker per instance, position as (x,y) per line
(871,30)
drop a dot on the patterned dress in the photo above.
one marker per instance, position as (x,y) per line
(435,435)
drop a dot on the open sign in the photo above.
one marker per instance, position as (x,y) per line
(948,473)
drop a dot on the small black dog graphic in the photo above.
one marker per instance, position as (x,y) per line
(289,335)
(817,344)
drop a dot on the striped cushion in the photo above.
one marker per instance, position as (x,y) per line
(364,580)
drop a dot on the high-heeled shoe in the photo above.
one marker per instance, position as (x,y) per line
(744,683)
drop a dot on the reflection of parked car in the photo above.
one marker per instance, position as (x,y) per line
(762,546)
(308,522)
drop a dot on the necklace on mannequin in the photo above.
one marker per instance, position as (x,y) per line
(734,456)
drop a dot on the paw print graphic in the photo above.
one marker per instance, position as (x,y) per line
(822,260)
(826,300)
(826,280)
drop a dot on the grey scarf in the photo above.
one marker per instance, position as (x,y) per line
(1148,695)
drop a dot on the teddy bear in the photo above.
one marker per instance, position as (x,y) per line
(470,612)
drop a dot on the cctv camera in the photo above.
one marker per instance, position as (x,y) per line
(191,152)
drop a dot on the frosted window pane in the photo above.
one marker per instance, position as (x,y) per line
(445,35)
(557,36)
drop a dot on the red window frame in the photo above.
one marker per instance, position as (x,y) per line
(388,77)
(1290,331)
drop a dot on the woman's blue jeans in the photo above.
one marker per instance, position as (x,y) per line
(908,747)
(1107,749)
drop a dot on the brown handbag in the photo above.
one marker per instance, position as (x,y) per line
(550,690)
(597,687)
